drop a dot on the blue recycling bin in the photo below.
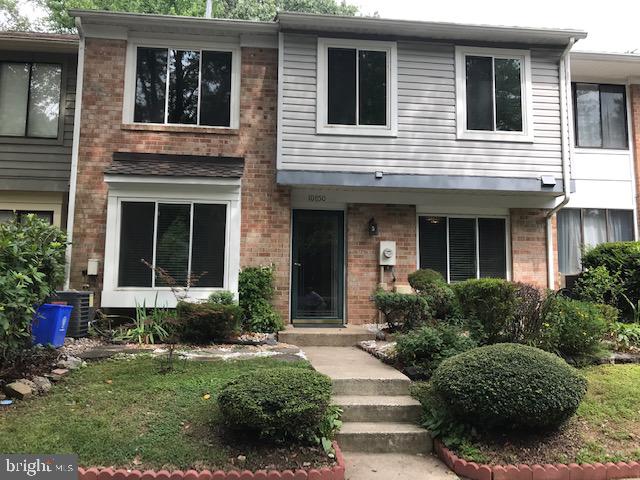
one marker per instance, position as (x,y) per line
(50,324)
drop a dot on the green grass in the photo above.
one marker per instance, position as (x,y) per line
(124,413)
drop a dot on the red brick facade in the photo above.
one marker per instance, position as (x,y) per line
(635,135)
(265,207)
(395,222)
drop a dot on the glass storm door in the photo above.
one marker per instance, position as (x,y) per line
(317,267)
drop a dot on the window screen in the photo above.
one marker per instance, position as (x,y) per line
(341,70)
(462,249)
(508,88)
(215,104)
(479,93)
(136,244)
(433,244)
(209,234)
(492,244)
(372,93)
(600,119)
(172,241)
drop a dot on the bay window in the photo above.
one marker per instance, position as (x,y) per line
(463,247)
(588,227)
(600,116)
(30,99)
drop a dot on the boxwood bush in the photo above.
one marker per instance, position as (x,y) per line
(277,404)
(422,350)
(431,286)
(205,322)
(402,311)
(509,386)
(255,291)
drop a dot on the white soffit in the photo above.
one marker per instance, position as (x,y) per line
(607,67)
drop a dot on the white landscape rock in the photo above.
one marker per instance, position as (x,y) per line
(43,385)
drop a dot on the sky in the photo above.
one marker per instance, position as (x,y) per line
(613,25)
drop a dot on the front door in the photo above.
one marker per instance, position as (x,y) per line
(317,267)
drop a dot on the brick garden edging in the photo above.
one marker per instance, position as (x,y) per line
(326,473)
(558,471)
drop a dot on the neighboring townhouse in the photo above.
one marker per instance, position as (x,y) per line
(37,101)
(346,151)
(603,206)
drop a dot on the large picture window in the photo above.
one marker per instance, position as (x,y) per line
(355,89)
(588,227)
(600,116)
(463,247)
(182,239)
(30,99)
(183,87)
(492,93)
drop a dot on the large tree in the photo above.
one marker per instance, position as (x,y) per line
(11,18)
(241,9)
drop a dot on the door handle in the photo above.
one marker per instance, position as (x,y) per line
(296,264)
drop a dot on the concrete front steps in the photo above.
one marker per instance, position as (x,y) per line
(379,415)
(325,336)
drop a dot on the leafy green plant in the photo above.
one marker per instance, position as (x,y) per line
(402,311)
(204,322)
(509,386)
(329,426)
(148,326)
(255,291)
(278,404)
(420,351)
(431,286)
(597,285)
(32,256)
(626,336)
(223,297)
(635,308)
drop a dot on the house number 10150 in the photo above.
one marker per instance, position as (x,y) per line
(317,198)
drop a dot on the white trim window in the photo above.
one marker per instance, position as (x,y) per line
(493,94)
(464,247)
(356,89)
(185,85)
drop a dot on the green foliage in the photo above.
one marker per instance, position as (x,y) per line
(239,9)
(420,351)
(11,19)
(430,285)
(329,426)
(571,327)
(625,336)
(509,386)
(622,261)
(436,415)
(222,297)
(401,310)
(256,290)
(279,404)
(597,285)
(149,326)
(205,322)
(32,256)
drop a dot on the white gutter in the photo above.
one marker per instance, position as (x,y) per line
(567,147)
(74,157)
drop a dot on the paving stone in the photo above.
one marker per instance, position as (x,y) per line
(18,390)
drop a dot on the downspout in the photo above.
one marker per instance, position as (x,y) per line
(566,145)
(74,157)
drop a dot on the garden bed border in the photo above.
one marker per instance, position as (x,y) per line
(557,471)
(326,473)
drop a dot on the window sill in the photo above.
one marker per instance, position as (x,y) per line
(602,151)
(495,136)
(154,127)
(357,131)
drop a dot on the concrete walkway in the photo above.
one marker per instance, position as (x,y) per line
(395,466)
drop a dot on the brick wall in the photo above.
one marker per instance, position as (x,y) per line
(529,246)
(395,222)
(635,135)
(265,207)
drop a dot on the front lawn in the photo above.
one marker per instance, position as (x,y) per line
(606,427)
(123,413)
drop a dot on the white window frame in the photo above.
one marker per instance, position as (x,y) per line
(448,216)
(322,124)
(143,189)
(526,135)
(130,80)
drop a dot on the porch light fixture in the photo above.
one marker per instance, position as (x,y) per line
(373,227)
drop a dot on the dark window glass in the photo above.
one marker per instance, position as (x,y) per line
(613,114)
(136,244)
(433,244)
(151,78)
(479,93)
(215,104)
(209,233)
(372,95)
(184,67)
(462,249)
(508,95)
(172,241)
(588,131)
(492,246)
(341,86)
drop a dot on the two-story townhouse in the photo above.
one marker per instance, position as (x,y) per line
(207,145)
(37,100)
(603,207)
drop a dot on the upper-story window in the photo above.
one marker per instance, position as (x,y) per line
(30,99)
(600,115)
(185,86)
(356,87)
(493,92)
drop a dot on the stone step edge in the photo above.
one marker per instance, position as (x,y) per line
(362,401)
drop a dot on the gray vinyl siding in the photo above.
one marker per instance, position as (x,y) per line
(426,142)
(41,164)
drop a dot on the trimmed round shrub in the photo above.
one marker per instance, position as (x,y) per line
(402,311)
(509,386)
(204,322)
(431,286)
(277,404)
(422,350)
